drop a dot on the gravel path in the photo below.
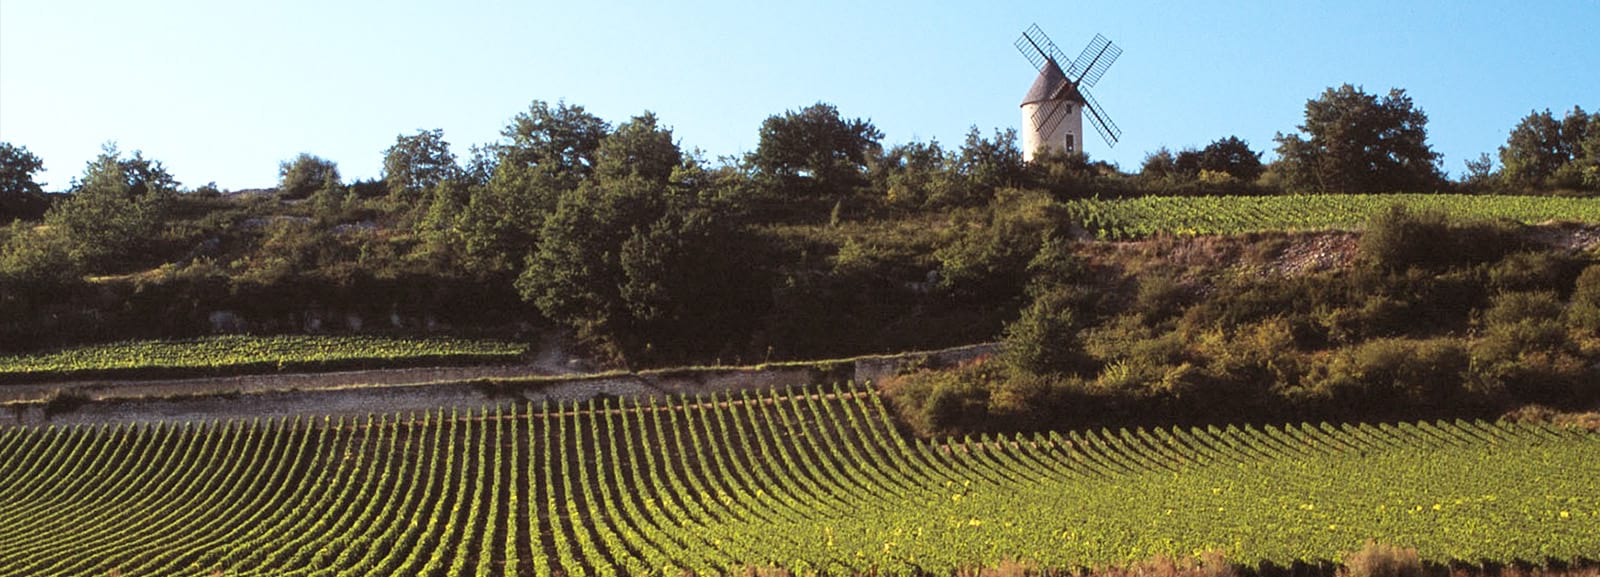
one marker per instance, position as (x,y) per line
(115,389)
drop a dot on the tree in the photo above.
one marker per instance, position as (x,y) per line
(20,196)
(17,166)
(1480,176)
(814,152)
(1543,153)
(559,142)
(640,264)
(417,163)
(114,211)
(1356,142)
(990,164)
(639,148)
(305,174)
(1159,165)
(1230,155)
(919,174)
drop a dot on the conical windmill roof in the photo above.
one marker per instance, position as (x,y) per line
(1052,84)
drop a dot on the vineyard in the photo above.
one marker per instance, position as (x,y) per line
(812,480)
(244,354)
(1150,215)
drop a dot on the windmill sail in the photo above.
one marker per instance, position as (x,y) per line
(1038,48)
(1101,121)
(1049,102)
(1093,62)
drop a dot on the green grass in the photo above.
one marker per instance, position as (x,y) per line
(245,354)
(1145,216)
(809,482)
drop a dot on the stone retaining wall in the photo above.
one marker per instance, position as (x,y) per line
(363,400)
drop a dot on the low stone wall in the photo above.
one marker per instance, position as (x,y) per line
(363,400)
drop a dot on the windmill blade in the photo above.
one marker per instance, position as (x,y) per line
(1093,62)
(1101,121)
(1037,48)
(1048,115)
(1054,121)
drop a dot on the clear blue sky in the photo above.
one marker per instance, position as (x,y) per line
(223,91)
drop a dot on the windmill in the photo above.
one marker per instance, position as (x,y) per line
(1053,110)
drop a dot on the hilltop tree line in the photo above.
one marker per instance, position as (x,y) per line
(647,252)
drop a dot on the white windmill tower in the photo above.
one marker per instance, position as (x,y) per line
(1053,109)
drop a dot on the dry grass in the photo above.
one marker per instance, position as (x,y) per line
(1372,560)
(1380,560)
(1540,414)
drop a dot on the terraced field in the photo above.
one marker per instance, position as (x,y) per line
(241,354)
(813,480)
(1181,215)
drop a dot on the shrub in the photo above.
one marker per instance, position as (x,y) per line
(1378,560)
(1584,310)
(936,402)
(1257,355)
(1160,297)
(1044,340)
(1525,349)
(1420,370)
(1525,271)
(1512,310)
(1397,238)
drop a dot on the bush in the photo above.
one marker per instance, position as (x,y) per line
(938,402)
(1255,356)
(1044,340)
(1511,310)
(1526,351)
(1583,311)
(1161,297)
(1378,370)
(1397,239)
(1379,560)
(1525,271)
(989,260)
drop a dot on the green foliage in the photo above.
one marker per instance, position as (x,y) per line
(1584,309)
(991,164)
(637,266)
(242,354)
(1397,239)
(1525,350)
(1394,370)
(814,152)
(1230,156)
(1357,143)
(114,213)
(946,402)
(17,166)
(1074,175)
(918,175)
(417,163)
(1044,341)
(1533,270)
(559,144)
(639,148)
(20,196)
(499,225)
(1543,153)
(1155,215)
(988,259)
(808,480)
(305,174)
